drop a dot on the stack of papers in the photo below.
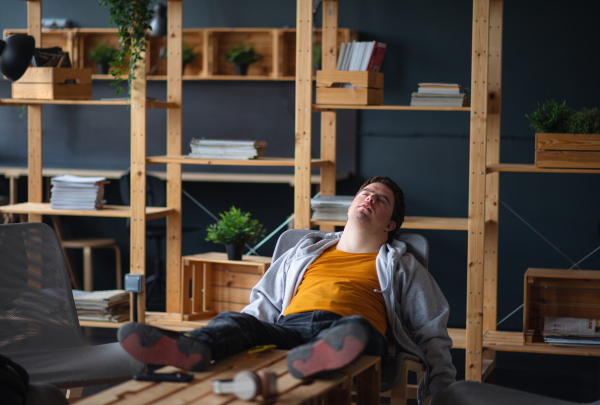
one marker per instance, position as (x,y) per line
(439,95)
(77,193)
(227,149)
(102,306)
(571,331)
(331,207)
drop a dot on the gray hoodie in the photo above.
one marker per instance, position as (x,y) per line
(417,311)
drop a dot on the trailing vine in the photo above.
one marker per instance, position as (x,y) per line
(132,18)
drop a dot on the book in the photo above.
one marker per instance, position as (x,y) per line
(331,207)
(377,58)
(567,331)
(368,55)
(102,306)
(77,192)
(440,100)
(439,88)
(340,56)
(229,142)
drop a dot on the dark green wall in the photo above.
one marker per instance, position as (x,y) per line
(549,51)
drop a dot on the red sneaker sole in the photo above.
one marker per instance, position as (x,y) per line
(324,358)
(165,351)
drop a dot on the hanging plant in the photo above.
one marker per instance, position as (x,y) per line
(132,18)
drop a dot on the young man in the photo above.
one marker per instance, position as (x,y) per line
(328,300)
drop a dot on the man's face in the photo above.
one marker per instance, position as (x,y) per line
(374,205)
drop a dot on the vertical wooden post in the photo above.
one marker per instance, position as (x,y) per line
(174,95)
(34,119)
(206,54)
(275,41)
(477,180)
(329,118)
(303,113)
(138,180)
(490,261)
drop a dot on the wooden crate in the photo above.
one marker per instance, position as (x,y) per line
(367,88)
(558,293)
(54,84)
(212,284)
(574,151)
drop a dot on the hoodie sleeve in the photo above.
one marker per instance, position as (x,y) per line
(425,313)
(266,298)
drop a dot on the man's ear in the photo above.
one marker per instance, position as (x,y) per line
(390,225)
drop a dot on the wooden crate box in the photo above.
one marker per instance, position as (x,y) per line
(558,293)
(54,84)
(211,284)
(367,88)
(573,151)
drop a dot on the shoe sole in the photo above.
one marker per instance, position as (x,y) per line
(337,349)
(151,346)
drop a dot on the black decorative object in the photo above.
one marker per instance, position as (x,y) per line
(16,52)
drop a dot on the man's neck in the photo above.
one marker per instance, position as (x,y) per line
(360,241)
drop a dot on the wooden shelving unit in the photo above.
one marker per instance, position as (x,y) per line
(480,338)
(275,45)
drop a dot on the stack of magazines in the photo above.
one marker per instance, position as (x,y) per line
(227,149)
(439,95)
(77,193)
(102,306)
(331,207)
(572,331)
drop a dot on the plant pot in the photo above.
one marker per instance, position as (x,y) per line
(234,251)
(241,70)
(571,151)
(103,68)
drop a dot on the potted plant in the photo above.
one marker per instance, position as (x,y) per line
(241,55)
(187,54)
(102,54)
(234,229)
(133,22)
(566,138)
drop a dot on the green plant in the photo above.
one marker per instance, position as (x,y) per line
(584,122)
(187,53)
(132,18)
(241,54)
(235,227)
(103,53)
(317,54)
(550,117)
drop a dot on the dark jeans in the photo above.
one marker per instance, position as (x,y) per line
(231,332)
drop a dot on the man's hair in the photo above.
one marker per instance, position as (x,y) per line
(399,206)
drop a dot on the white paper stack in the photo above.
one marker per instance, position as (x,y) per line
(227,149)
(439,95)
(331,207)
(77,193)
(102,306)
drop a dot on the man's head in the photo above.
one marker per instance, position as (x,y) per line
(381,199)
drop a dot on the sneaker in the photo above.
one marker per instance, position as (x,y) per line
(152,345)
(338,347)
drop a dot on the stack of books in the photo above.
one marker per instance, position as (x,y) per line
(227,149)
(102,306)
(331,207)
(77,193)
(572,331)
(439,95)
(361,56)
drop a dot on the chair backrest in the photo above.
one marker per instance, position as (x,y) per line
(156,190)
(37,310)
(416,244)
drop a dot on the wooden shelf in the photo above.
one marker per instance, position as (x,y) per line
(525,168)
(114,211)
(326,107)
(149,104)
(164,320)
(446,224)
(513,342)
(264,161)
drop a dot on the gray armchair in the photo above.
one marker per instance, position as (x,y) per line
(39,328)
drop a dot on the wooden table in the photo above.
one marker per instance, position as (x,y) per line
(291,390)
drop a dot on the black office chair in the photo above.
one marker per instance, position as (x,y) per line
(156,196)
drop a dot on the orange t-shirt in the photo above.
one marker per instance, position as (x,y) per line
(342,283)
